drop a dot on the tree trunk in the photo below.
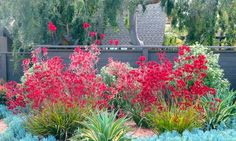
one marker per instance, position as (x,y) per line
(134,25)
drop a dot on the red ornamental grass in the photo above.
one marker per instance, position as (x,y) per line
(52,27)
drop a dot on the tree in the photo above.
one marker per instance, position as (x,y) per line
(203,19)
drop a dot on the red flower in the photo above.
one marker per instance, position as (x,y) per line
(98,42)
(102,36)
(110,42)
(116,42)
(217,100)
(45,51)
(52,27)
(92,34)
(142,58)
(26,62)
(86,25)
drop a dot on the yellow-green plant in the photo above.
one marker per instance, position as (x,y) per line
(174,119)
(57,119)
(102,126)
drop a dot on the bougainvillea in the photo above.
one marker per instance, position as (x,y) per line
(52,80)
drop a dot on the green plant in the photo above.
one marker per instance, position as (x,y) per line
(3,99)
(172,40)
(221,110)
(102,126)
(174,119)
(58,119)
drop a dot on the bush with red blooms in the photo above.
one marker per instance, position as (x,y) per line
(52,81)
(121,86)
(162,85)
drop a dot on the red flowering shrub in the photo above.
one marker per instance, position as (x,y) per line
(162,85)
(122,88)
(53,81)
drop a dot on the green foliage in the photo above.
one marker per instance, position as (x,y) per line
(224,110)
(59,120)
(107,77)
(102,126)
(170,40)
(174,119)
(27,21)
(3,99)
(226,21)
(203,19)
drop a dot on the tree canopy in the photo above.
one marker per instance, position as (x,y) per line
(204,20)
(26,20)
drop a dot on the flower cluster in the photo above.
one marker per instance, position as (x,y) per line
(52,27)
(160,84)
(52,81)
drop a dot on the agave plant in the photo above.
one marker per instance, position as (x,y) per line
(225,110)
(102,127)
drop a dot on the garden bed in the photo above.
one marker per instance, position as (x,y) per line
(185,100)
(16,132)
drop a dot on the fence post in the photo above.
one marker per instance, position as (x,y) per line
(3,58)
(145,53)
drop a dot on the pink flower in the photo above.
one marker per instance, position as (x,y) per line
(102,36)
(52,27)
(142,58)
(116,42)
(92,34)
(45,51)
(110,42)
(98,42)
(86,25)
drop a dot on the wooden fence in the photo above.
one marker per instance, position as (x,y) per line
(122,53)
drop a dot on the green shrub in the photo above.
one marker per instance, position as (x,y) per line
(174,119)
(58,119)
(102,127)
(224,109)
